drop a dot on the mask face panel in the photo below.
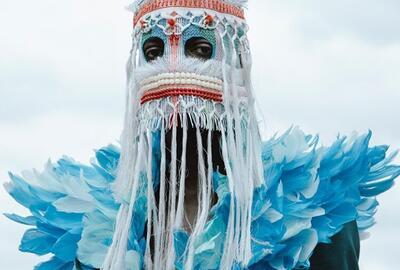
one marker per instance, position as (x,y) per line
(190,61)
(169,58)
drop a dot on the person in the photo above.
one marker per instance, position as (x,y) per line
(192,185)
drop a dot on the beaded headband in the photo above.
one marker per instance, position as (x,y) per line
(228,7)
(214,5)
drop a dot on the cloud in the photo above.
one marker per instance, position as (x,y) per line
(62,54)
(371,21)
(322,79)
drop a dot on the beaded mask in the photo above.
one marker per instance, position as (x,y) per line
(189,68)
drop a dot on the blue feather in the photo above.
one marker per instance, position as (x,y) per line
(36,241)
(55,264)
(66,246)
(31,220)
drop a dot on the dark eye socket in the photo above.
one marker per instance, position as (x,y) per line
(153,48)
(199,47)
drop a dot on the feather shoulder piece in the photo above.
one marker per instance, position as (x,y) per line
(309,193)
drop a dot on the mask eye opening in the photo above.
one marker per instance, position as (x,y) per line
(199,47)
(153,48)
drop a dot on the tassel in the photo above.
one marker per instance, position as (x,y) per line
(181,198)
(204,196)
(127,168)
(235,151)
(160,243)
(172,196)
(116,256)
(151,210)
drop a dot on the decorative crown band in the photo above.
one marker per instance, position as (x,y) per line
(216,5)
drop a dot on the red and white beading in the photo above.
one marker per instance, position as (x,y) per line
(215,5)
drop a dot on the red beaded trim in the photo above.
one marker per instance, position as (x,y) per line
(216,5)
(177,91)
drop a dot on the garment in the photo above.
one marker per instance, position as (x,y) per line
(189,72)
(342,253)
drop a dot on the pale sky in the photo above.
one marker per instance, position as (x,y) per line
(328,66)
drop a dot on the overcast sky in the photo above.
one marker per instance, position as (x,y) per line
(329,66)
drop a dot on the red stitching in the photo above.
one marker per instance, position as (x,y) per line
(173,92)
(182,90)
(215,5)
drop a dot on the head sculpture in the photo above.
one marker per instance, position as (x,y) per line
(189,69)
